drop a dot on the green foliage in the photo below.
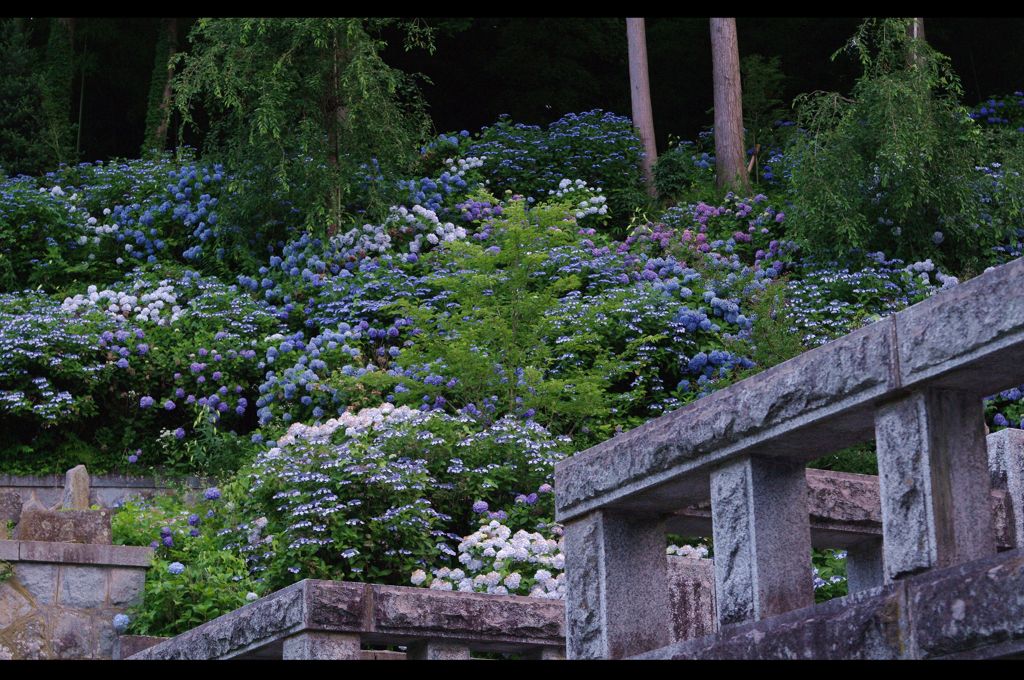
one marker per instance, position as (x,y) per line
(891,168)
(59,70)
(829,574)
(212,582)
(23,149)
(684,172)
(305,102)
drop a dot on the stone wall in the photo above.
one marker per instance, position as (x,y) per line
(106,491)
(59,599)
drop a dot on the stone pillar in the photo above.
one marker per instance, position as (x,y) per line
(318,646)
(933,481)
(76,489)
(864,566)
(617,601)
(691,588)
(438,650)
(1006,465)
(762,539)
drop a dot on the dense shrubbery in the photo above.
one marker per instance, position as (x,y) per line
(387,402)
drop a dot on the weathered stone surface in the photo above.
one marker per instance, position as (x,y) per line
(127,645)
(30,639)
(866,625)
(628,609)
(691,589)
(418,612)
(72,635)
(80,553)
(83,587)
(10,507)
(39,580)
(70,526)
(104,634)
(8,550)
(13,604)
(934,481)
(970,337)
(965,609)
(272,617)
(76,489)
(432,650)
(762,539)
(1006,464)
(831,387)
(547,654)
(336,605)
(126,586)
(864,568)
(321,646)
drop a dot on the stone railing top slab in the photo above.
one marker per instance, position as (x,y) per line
(76,553)
(811,405)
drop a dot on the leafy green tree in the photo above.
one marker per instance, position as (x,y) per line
(891,168)
(59,70)
(308,101)
(22,148)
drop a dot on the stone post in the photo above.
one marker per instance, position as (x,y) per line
(437,650)
(319,646)
(1006,464)
(762,539)
(76,489)
(864,566)
(617,599)
(933,481)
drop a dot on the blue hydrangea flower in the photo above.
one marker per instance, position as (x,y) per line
(175,568)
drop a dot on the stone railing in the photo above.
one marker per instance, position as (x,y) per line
(914,383)
(106,491)
(339,620)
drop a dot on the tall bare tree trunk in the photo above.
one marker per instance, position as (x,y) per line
(158,117)
(640,96)
(729,148)
(916,33)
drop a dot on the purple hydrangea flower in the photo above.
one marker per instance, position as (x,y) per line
(175,568)
(1000,420)
(169,405)
(480,506)
(168,541)
(193,519)
(212,494)
(180,433)
(122,363)
(146,401)
(133,459)
(142,348)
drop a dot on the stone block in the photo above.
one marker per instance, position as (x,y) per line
(13,605)
(867,625)
(30,638)
(864,567)
(9,550)
(105,635)
(126,586)
(76,489)
(969,337)
(127,645)
(506,620)
(691,588)
(10,506)
(934,481)
(762,539)
(812,404)
(64,526)
(972,610)
(72,635)
(310,646)
(83,587)
(39,580)
(617,594)
(336,605)
(1006,465)
(433,650)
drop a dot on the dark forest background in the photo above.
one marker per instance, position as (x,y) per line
(537,69)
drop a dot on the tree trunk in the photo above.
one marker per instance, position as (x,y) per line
(640,96)
(916,33)
(158,120)
(729,147)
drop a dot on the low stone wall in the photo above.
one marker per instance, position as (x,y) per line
(338,620)
(59,599)
(106,491)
